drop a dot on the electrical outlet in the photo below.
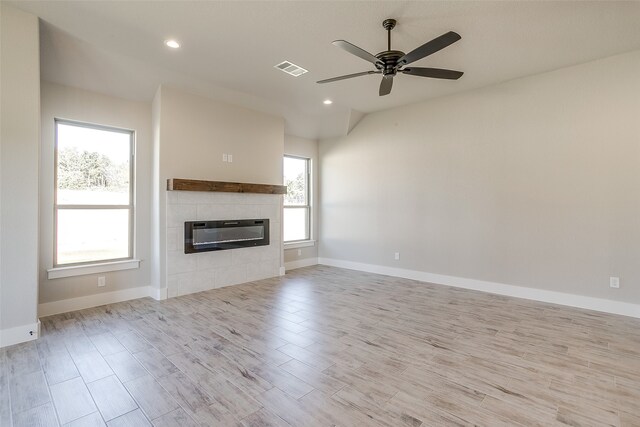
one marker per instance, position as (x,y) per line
(614,282)
(299,252)
(230,158)
(102,282)
(225,158)
(397,256)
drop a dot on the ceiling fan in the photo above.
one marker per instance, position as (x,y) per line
(390,62)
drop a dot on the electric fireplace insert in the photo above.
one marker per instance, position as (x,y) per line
(204,236)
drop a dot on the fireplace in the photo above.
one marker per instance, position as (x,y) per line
(205,236)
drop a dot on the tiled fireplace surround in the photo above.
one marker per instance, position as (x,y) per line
(189,273)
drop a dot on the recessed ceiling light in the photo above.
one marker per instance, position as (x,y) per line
(172,44)
(327,102)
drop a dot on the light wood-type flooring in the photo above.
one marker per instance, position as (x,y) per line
(323,346)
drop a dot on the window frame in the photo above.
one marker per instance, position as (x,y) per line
(130,206)
(307,206)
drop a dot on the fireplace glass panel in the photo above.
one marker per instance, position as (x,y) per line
(216,235)
(229,234)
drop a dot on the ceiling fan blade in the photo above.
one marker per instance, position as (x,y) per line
(429,48)
(355,50)
(436,73)
(385,85)
(348,76)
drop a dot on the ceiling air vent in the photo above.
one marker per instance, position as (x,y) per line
(291,68)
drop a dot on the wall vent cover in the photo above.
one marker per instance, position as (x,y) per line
(291,68)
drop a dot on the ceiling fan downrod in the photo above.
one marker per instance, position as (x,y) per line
(391,62)
(389,24)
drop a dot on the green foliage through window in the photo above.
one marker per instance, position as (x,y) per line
(90,170)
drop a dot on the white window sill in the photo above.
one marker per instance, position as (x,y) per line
(300,244)
(81,270)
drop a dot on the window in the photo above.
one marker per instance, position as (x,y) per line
(297,210)
(93,201)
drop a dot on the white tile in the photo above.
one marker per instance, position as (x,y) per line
(199,281)
(270,211)
(172,292)
(175,238)
(272,252)
(247,255)
(263,199)
(274,233)
(215,212)
(194,197)
(179,262)
(230,275)
(178,214)
(173,197)
(175,282)
(213,259)
(262,270)
(246,211)
(197,272)
(226,198)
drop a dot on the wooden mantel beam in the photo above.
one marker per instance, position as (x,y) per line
(178,184)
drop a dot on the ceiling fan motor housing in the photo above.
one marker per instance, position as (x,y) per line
(389,60)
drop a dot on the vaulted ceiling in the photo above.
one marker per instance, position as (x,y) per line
(229,48)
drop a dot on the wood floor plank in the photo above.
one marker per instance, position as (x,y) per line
(72,400)
(175,418)
(131,419)
(264,418)
(5,398)
(28,391)
(111,397)
(125,366)
(106,344)
(151,397)
(324,346)
(22,359)
(92,366)
(40,416)
(92,420)
(186,392)
(133,342)
(58,368)
(313,377)
(155,362)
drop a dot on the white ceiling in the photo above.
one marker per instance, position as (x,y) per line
(229,48)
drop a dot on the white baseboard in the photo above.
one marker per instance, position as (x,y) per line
(158,294)
(299,263)
(572,300)
(19,334)
(80,303)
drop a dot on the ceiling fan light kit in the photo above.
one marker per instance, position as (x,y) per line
(391,62)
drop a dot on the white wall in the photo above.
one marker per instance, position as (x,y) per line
(65,102)
(533,182)
(195,131)
(303,147)
(191,134)
(19,141)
